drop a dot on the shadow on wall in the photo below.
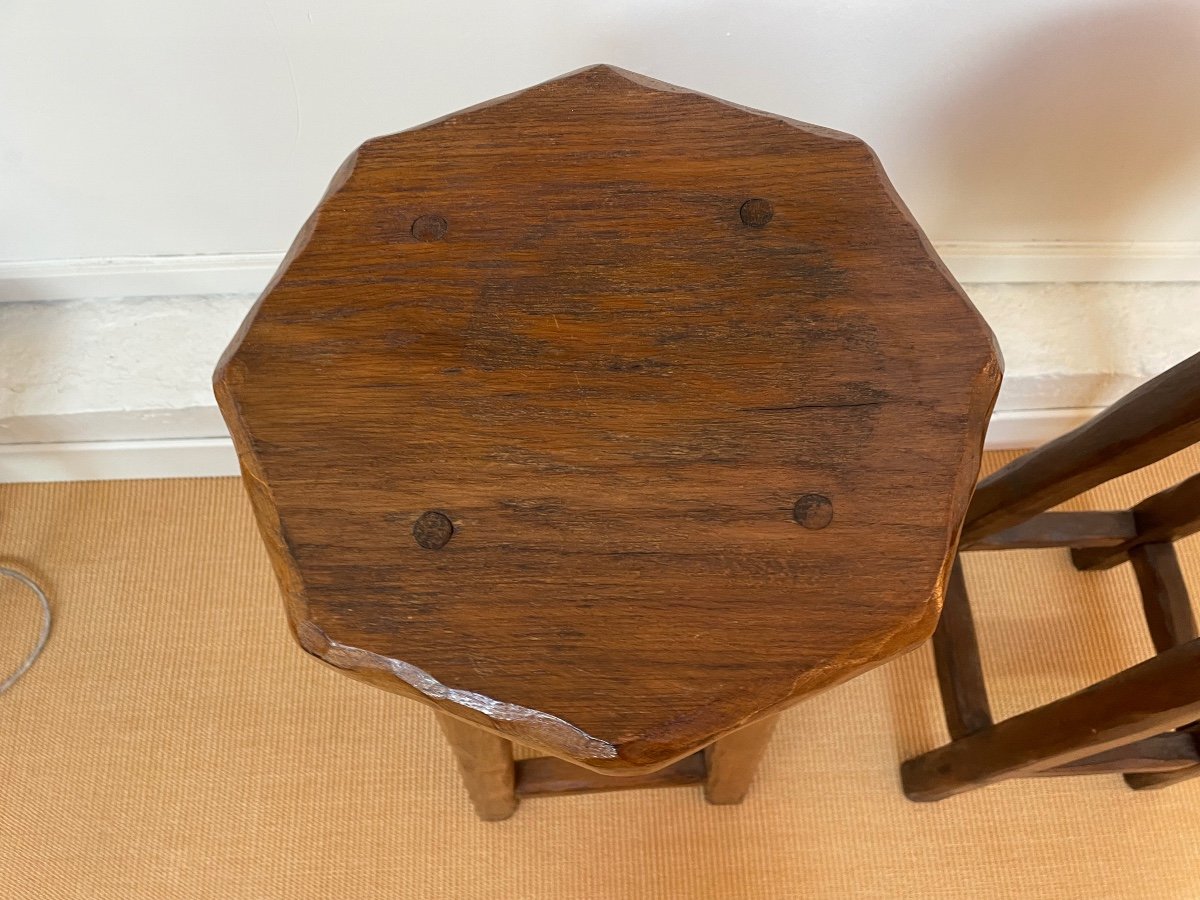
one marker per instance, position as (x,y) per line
(1076,132)
(1057,124)
(1073,129)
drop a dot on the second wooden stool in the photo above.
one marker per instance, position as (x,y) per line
(1141,722)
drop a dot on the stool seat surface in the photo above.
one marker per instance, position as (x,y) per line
(610,417)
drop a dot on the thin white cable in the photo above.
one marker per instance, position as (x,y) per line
(45,633)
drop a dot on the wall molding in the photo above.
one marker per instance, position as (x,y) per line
(117,460)
(136,276)
(1025,262)
(973,262)
(214,456)
(1022,429)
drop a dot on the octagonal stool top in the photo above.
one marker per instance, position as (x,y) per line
(611,418)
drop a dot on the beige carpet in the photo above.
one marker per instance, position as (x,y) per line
(173,742)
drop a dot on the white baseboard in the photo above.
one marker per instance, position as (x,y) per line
(118,460)
(1021,429)
(214,456)
(1025,262)
(136,276)
(973,262)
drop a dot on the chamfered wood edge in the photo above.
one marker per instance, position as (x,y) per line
(552,734)
(223,373)
(616,73)
(228,372)
(346,172)
(543,730)
(531,727)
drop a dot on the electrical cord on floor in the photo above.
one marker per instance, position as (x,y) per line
(42,637)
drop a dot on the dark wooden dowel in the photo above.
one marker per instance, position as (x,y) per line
(1167,516)
(956,654)
(733,760)
(486,763)
(1152,697)
(1168,752)
(1152,422)
(1150,781)
(1164,595)
(1062,529)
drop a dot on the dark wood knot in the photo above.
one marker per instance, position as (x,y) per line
(432,530)
(757,212)
(813,511)
(429,228)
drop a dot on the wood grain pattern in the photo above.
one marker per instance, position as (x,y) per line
(1146,425)
(485,762)
(733,761)
(553,320)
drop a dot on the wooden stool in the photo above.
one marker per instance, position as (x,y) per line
(610,419)
(1142,721)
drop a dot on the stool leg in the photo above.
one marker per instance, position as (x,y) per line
(733,760)
(486,763)
(1152,697)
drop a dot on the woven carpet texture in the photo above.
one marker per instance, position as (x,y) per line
(174,742)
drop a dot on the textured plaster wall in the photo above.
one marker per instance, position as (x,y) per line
(127,369)
(120,369)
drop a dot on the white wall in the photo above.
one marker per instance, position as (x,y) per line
(143,127)
(170,151)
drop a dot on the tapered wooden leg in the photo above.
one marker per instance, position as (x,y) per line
(733,760)
(956,653)
(1170,618)
(486,763)
(1164,595)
